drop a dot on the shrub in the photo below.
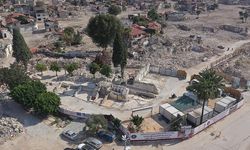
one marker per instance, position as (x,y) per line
(181,74)
(233,92)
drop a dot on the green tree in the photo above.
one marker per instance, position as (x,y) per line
(27,93)
(47,103)
(20,49)
(54,66)
(106,70)
(152,14)
(96,122)
(118,48)
(176,123)
(68,35)
(22,19)
(93,68)
(117,122)
(208,86)
(13,76)
(70,68)
(77,39)
(102,29)
(114,10)
(137,121)
(41,67)
(124,61)
(119,56)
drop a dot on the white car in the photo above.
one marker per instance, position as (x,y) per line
(69,134)
(84,146)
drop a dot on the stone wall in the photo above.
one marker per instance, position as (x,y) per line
(142,73)
(163,71)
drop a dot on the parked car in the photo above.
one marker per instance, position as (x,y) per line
(84,146)
(69,134)
(106,135)
(93,142)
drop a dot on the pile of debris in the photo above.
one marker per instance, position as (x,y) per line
(9,128)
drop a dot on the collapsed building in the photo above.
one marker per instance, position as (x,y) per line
(5,43)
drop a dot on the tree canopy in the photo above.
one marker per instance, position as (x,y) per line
(103,28)
(96,122)
(41,67)
(70,68)
(93,68)
(137,121)
(54,66)
(13,76)
(114,10)
(118,48)
(47,103)
(207,86)
(27,93)
(152,14)
(119,56)
(20,49)
(106,70)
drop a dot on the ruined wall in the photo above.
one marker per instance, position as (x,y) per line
(163,71)
(234,29)
(142,73)
(119,93)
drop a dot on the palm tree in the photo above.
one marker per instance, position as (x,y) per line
(137,121)
(208,86)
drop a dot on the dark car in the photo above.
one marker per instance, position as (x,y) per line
(106,135)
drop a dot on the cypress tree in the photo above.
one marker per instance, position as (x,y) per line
(20,49)
(118,48)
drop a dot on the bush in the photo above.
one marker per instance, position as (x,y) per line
(233,92)
(106,70)
(47,103)
(181,74)
(114,10)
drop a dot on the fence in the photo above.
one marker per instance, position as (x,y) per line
(182,135)
(74,114)
(217,117)
(155,69)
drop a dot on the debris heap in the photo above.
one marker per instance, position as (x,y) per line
(9,128)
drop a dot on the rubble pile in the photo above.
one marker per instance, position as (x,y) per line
(167,52)
(9,128)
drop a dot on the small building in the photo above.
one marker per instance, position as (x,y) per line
(194,116)
(169,112)
(224,104)
(41,13)
(51,25)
